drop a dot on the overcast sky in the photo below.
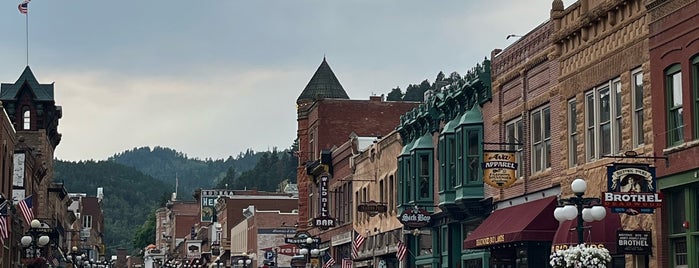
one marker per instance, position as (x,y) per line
(213,78)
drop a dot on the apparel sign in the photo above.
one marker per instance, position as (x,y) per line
(631,189)
(415,218)
(324,221)
(499,168)
(633,242)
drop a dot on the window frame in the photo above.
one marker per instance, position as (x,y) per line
(695,91)
(674,128)
(637,106)
(572,132)
(26,118)
(595,123)
(540,145)
(87,221)
(515,142)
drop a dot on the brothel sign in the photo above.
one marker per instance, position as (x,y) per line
(631,189)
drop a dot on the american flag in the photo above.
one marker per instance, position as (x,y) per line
(3,223)
(402,251)
(23,7)
(346,263)
(357,244)
(328,260)
(26,206)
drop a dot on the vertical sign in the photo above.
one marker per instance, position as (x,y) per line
(208,206)
(499,168)
(324,221)
(18,171)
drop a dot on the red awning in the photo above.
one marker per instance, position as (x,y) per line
(595,233)
(532,221)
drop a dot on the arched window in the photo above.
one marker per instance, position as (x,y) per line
(26,118)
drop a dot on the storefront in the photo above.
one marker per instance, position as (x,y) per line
(517,236)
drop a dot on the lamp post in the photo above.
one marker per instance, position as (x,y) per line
(35,239)
(310,250)
(75,257)
(244,260)
(218,263)
(579,206)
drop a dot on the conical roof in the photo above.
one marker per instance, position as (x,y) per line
(323,84)
(42,92)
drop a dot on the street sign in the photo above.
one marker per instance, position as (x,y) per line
(269,255)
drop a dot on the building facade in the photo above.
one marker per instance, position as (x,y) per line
(674,72)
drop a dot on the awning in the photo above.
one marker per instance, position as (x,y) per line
(596,233)
(532,221)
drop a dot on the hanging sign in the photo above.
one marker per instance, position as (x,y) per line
(324,221)
(415,218)
(631,189)
(499,168)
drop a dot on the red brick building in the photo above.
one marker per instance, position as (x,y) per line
(674,61)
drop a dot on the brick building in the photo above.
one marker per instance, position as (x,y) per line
(674,72)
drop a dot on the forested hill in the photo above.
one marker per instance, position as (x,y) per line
(169,165)
(129,195)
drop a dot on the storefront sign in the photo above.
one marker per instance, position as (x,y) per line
(324,221)
(415,218)
(631,189)
(490,240)
(340,239)
(300,239)
(372,208)
(499,168)
(193,249)
(634,242)
(566,246)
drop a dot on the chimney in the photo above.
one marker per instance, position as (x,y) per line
(376,98)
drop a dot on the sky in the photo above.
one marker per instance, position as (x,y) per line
(212,79)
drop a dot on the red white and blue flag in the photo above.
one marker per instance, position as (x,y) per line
(23,7)
(4,233)
(357,244)
(346,263)
(328,260)
(26,206)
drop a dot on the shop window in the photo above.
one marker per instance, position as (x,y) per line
(677,210)
(637,119)
(541,139)
(679,253)
(673,91)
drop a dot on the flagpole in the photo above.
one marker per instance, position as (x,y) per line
(26,32)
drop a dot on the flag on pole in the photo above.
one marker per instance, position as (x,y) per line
(346,263)
(402,251)
(23,7)
(4,234)
(328,260)
(357,244)
(26,206)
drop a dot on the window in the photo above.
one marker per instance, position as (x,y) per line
(603,120)
(695,86)
(451,151)
(424,179)
(541,139)
(515,134)
(381,193)
(391,186)
(637,119)
(572,133)
(26,118)
(673,89)
(87,221)
(679,252)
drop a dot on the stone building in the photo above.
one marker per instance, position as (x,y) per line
(674,72)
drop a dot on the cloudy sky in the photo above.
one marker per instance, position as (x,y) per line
(214,78)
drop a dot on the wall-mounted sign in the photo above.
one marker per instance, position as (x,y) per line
(18,171)
(301,238)
(499,168)
(208,207)
(372,208)
(633,242)
(415,218)
(631,189)
(324,221)
(193,249)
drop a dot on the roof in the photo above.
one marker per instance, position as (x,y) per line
(42,92)
(323,84)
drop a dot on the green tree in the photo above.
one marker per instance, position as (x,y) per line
(395,95)
(145,234)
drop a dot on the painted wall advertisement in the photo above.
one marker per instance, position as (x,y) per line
(271,245)
(499,168)
(208,206)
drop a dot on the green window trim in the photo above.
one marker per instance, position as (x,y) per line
(695,91)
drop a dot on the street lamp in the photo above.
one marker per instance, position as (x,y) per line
(579,206)
(244,260)
(218,263)
(310,248)
(35,239)
(75,257)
